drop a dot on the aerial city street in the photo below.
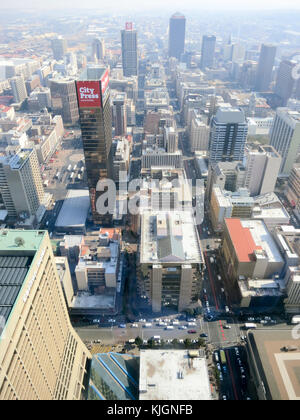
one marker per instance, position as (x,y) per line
(149,202)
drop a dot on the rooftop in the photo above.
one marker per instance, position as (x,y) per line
(278,369)
(74,210)
(169,237)
(173,375)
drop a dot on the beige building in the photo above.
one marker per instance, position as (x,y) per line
(293,188)
(199,135)
(21,183)
(171,259)
(262,169)
(41,356)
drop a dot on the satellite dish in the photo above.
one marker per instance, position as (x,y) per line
(19,241)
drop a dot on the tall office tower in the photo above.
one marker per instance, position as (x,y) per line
(171,139)
(119,114)
(96,126)
(98,48)
(208,51)
(285,137)
(129,50)
(228,135)
(262,169)
(41,356)
(199,135)
(64,99)
(176,35)
(18,89)
(21,185)
(59,48)
(285,81)
(265,68)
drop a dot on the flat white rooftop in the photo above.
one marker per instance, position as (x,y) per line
(86,300)
(74,210)
(173,375)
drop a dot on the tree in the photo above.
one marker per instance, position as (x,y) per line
(201,342)
(175,342)
(187,343)
(138,341)
(151,343)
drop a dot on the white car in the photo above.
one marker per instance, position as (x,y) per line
(182,327)
(134,326)
(142,320)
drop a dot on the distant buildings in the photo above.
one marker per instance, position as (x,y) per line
(176,35)
(98,49)
(208,52)
(18,89)
(285,81)
(285,138)
(119,103)
(129,51)
(48,358)
(265,68)
(228,135)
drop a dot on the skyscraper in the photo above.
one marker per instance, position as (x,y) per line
(208,51)
(176,35)
(98,48)
(21,184)
(18,87)
(41,356)
(59,48)
(119,114)
(265,67)
(228,135)
(285,137)
(285,82)
(129,50)
(96,126)
(64,99)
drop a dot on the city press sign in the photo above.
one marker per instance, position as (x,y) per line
(89,94)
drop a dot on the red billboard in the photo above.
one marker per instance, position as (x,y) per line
(89,95)
(104,85)
(128,26)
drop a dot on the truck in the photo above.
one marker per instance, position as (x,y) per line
(249,326)
(148,325)
(75,167)
(169,327)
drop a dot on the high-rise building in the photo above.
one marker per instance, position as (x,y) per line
(119,114)
(208,51)
(171,139)
(199,135)
(176,35)
(98,48)
(228,135)
(41,356)
(285,81)
(265,68)
(64,99)
(171,259)
(129,50)
(96,126)
(59,48)
(18,87)
(285,137)
(293,189)
(21,185)
(262,169)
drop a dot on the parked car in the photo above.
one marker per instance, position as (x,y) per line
(192,331)
(203,335)
(122,326)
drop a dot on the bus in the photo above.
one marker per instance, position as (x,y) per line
(223,357)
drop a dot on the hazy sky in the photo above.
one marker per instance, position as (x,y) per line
(138,5)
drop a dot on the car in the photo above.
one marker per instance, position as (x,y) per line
(111,320)
(134,326)
(182,327)
(222,290)
(219,367)
(224,369)
(207,304)
(273,321)
(224,397)
(192,320)
(207,247)
(204,291)
(122,326)
(263,321)
(142,320)
(219,277)
(192,331)
(242,369)
(220,376)
(203,335)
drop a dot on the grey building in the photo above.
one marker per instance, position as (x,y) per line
(208,51)
(129,51)
(176,35)
(265,68)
